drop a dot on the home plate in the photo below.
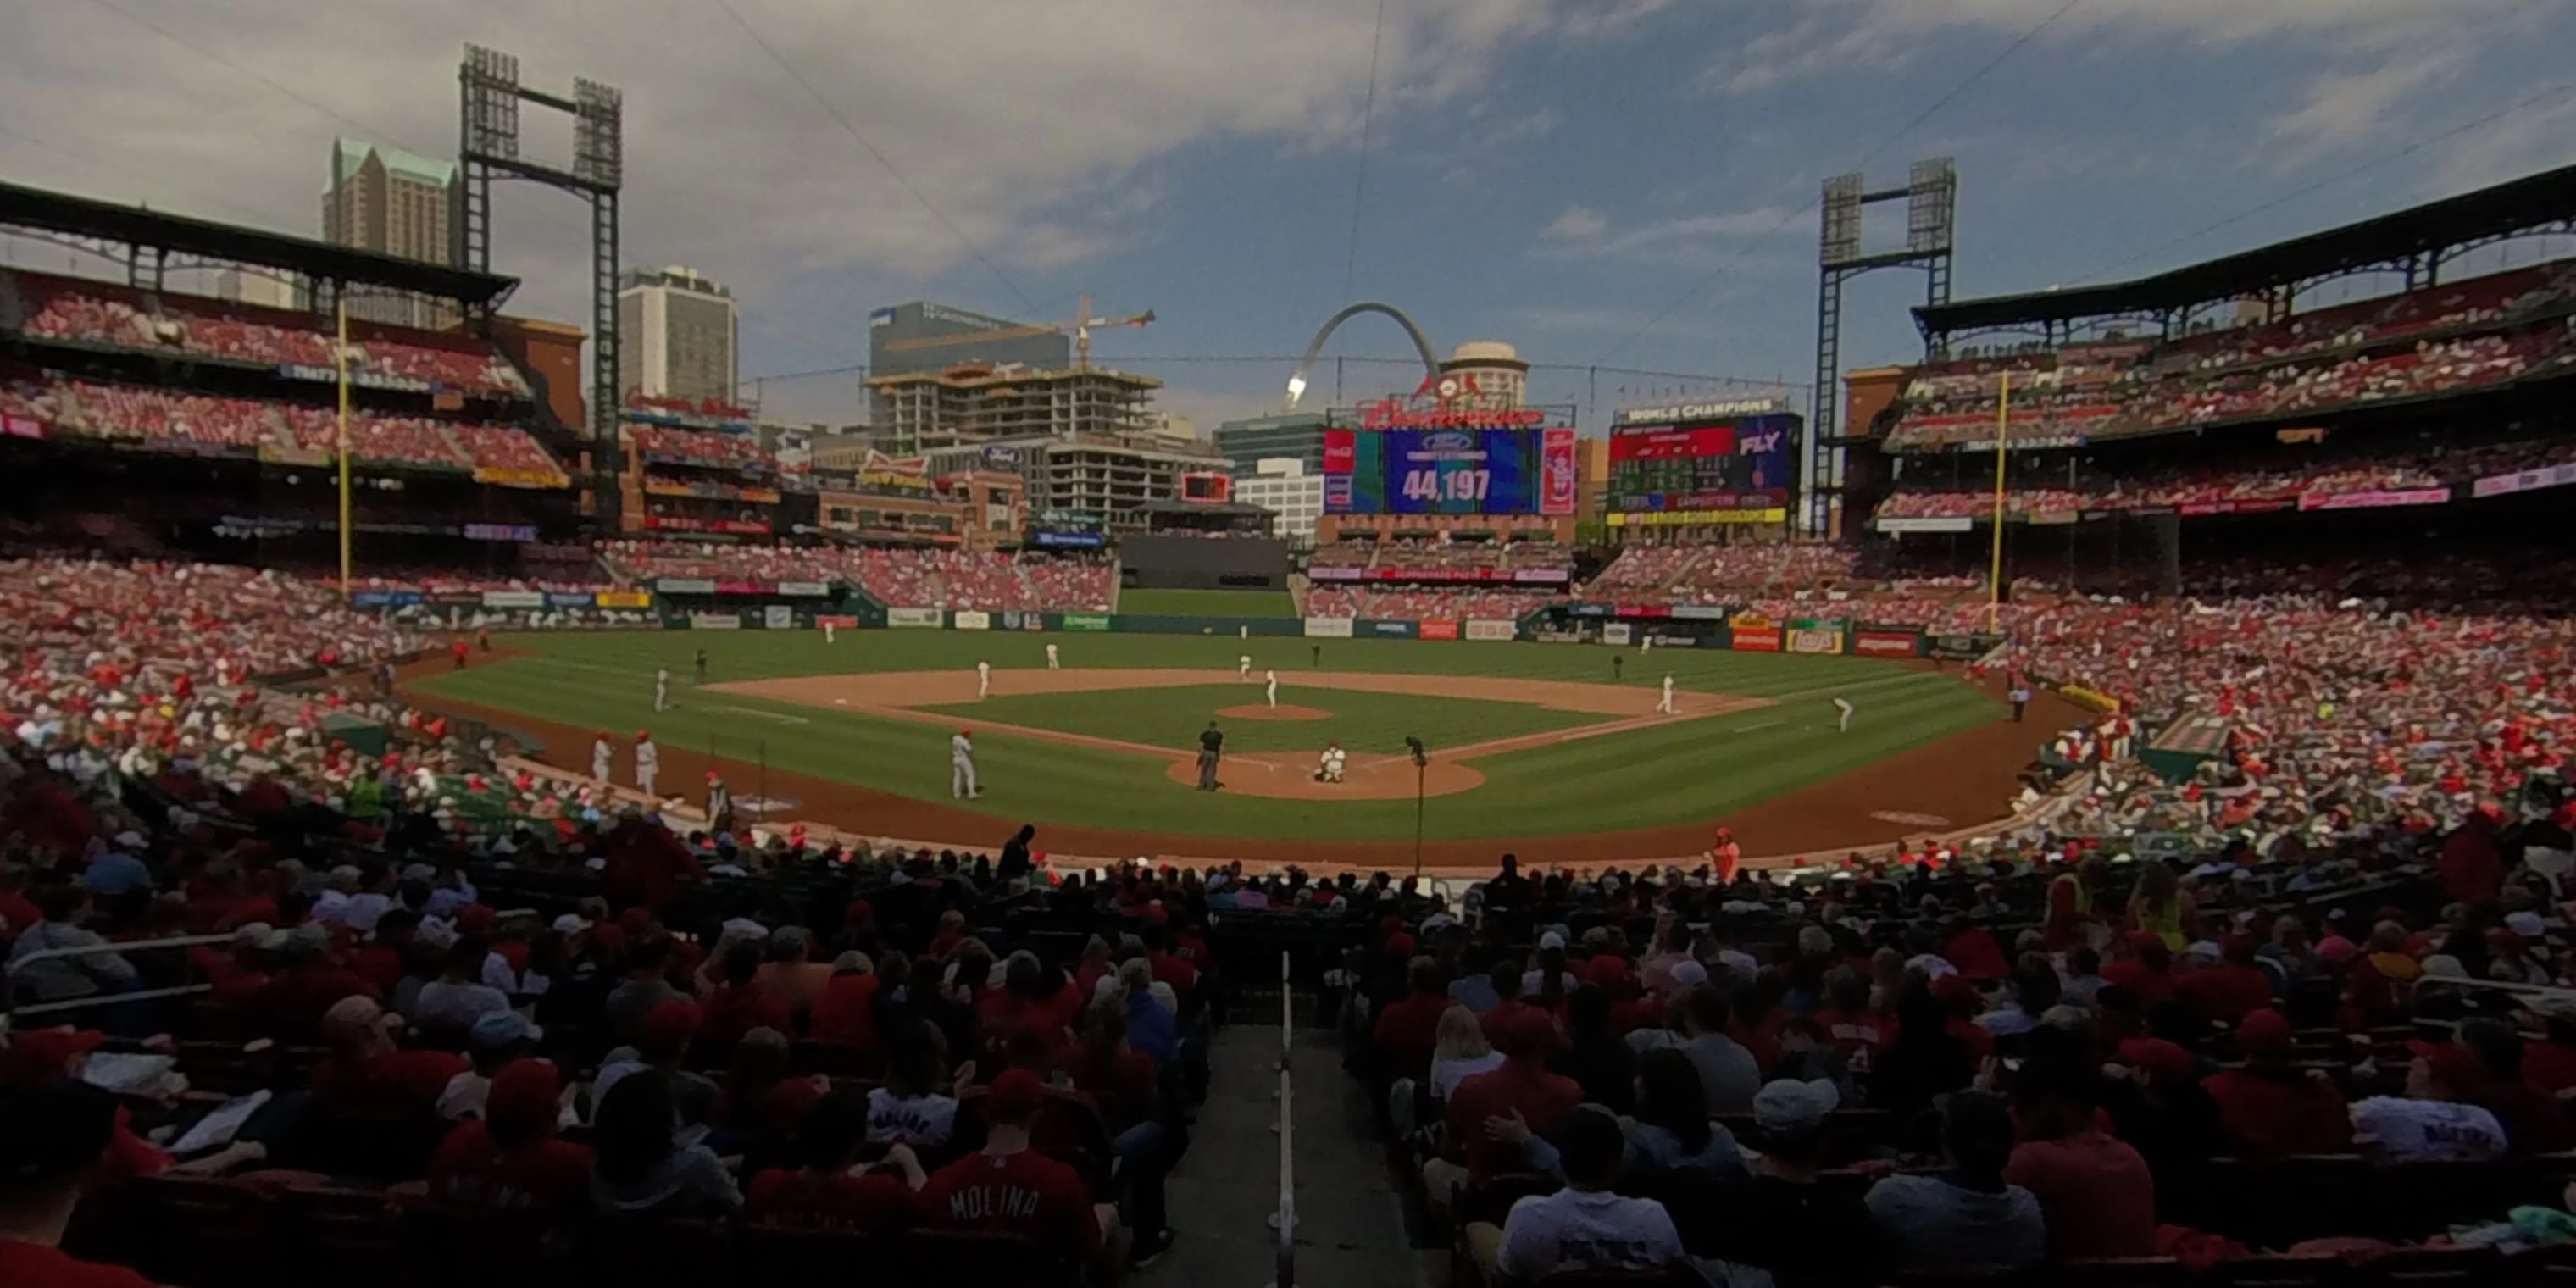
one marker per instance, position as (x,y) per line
(840,702)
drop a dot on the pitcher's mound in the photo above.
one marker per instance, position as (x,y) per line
(1263,711)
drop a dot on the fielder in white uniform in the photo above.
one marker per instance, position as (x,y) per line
(1842,715)
(983,678)
(648,763)
(961,767)
(1051,662)
(1665,707)
(1270,686)
(601,758)
(662,689)
(1648,646)
(1328,768)
(1243,667)
(827,632)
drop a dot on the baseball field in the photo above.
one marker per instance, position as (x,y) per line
(1526,741)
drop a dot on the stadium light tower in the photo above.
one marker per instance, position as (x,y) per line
(1931,197)
(489,95)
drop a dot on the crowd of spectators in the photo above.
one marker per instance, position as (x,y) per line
(898,576)
(2213,485)
(2450,337)
(702,447)
(148,414)
(102,314)
(1717,574)
(1423,603)
(1400,556)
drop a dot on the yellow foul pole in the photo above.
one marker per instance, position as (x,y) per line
(340,360)
(1995,563)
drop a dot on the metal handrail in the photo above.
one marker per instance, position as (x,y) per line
(8,971)
(1287,1217)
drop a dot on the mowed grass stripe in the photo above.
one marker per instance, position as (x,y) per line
(1658,774)
(1174,717)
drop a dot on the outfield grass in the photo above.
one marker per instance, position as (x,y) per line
(1662,774)
(1209,603)
(1173,717)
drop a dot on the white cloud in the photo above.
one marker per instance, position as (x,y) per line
(2341,108)
(1577,224)
(1032,128)
(1584,233)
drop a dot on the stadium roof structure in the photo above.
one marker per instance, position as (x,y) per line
(142,229)
(2414,240)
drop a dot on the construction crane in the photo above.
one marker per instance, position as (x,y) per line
(1081,327)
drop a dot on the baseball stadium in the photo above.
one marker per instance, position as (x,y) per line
(2086,805)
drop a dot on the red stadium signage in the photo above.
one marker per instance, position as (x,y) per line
(1397,413)
(2247,505)
(2374,500)
(1886,643)
(1437,630)
(1755,639)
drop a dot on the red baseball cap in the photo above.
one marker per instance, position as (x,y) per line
(1016,1093)
(37,1056)
(1399,945)
(2158,1056)
(524,1093)
(1529,1032)
(2263,1033)
(668,1028)
(2455,1065)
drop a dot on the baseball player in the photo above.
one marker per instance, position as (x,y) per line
(648,761)
(662,689)
(1665,705)
(1052,664)
(1842,715)
(983,678)
(961,767)
(602,759)
(1270,686)
(827,632)
(1243,667)
(1328,769)
(719,803)
(1648,646)
(701,663)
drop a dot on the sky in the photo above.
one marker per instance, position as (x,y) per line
(1623,189)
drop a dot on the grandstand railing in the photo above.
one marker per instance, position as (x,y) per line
(1285,1219)
(105,997)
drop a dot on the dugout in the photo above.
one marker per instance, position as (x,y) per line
(1194,560)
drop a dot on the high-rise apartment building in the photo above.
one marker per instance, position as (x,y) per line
(398,203)
(921,336)
(677,336)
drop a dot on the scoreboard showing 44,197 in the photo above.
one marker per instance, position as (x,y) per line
(1448,471)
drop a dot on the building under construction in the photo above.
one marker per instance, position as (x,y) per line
(978,402)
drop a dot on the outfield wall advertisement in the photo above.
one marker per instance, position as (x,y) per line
(1440,629)
(917,617)
(971,619)
(1872,643)
(1329,628)
(1754,639)
(1489,629)
(1814,641)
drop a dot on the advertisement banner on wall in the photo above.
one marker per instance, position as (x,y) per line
(837,621)
(684,585)
(1748,621)
(1488,629)
(1885,643)
(1085,622)
(714,622)
(2373,500)
(2524,481)
(1953,648)
(1699,612)
(742,588)
(1329,628)
(1617,633)
(1815,641)
(804,589)
(395,598)
(1440,629)
(1754,639)
(514,599)
(624,598)
(777,617)
(971,619)
(916,617)
(1926,523)
(567,599)
(1542,576)
(1391,629)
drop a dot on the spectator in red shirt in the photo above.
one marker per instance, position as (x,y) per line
(845,1012)
(832,1190)
(2228,988)
(1974,951)
(367,1074)
(1006,1187)
(1169,968)
(2140,962)
(51,1139)
(2095,1191)
(738,1005)
(1523,1086)
(509,1159)
(1407,1030)
(2272,1108)
(2534,1122)
(1858,1032)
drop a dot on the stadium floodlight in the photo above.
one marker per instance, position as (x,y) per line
(1296,389)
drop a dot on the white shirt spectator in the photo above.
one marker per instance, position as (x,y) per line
(2397,1129)
(445,1005)
(1446,1074)
(918,1121)
(1573,1230)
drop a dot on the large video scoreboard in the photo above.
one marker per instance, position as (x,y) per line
(1702,463)
(1462,464)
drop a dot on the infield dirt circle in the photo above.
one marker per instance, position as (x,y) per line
(1288,775)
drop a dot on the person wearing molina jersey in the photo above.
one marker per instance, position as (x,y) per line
(1009,1188)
